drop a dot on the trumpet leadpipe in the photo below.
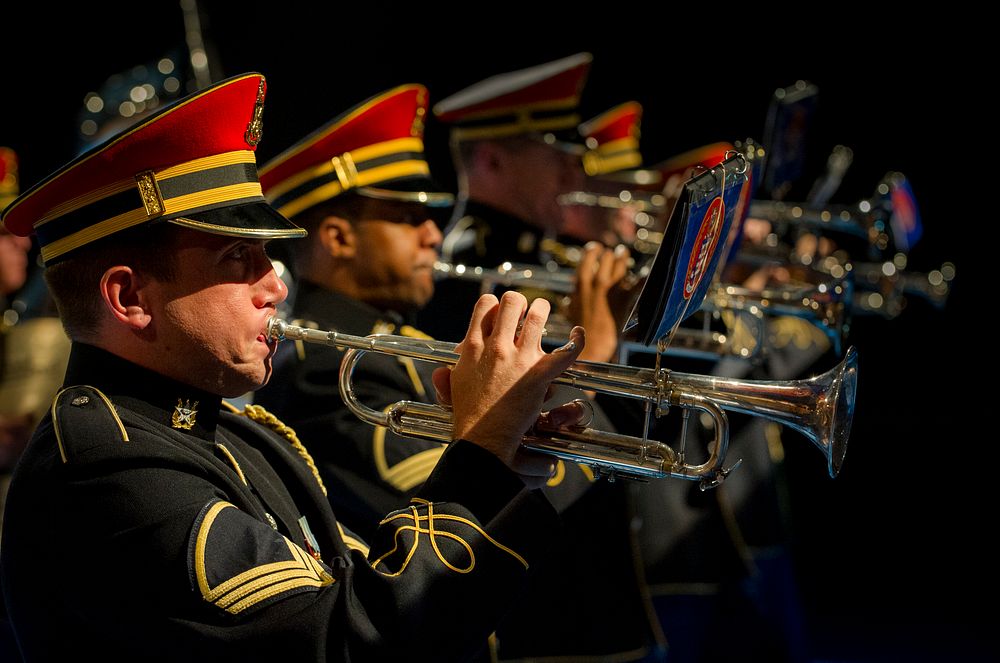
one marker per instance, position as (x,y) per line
(508,275)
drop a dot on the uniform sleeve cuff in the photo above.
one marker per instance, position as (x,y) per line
(473,477)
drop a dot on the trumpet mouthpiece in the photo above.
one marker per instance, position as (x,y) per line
(276,328)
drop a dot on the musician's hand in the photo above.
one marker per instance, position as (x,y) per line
(600,272)
(501,380)
(765,276)
(809,247)
(755,231)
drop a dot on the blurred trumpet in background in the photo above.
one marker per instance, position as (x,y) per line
(867,242)
(819,298)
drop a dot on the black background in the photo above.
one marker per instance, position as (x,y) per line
(902,542)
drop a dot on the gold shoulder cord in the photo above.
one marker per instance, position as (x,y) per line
(262,416)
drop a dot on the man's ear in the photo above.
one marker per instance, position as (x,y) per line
(336,234)
(123,294)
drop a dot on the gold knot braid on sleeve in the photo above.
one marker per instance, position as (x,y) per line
(262,416)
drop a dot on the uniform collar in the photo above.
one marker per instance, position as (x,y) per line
(166,401)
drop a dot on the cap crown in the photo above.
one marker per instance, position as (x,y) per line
(188,160)
(542,98)
(376,144)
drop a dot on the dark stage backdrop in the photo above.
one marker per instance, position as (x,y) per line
(904,536)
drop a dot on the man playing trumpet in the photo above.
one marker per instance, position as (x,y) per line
(148,521)
(366,269)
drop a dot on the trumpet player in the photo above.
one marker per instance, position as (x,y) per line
(366,268)
(148,521)
(516,149)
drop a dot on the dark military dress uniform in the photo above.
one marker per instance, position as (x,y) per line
(370,470)
(147,522)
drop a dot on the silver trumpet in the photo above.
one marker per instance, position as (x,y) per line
(558,280)
(821,408)
(879,288)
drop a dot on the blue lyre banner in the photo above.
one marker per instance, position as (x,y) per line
(689,255)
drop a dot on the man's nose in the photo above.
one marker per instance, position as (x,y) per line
(430,233)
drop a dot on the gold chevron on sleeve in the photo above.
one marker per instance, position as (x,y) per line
(259,583)
(406,474)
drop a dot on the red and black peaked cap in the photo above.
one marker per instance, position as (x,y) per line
(191,164)
(541,100)
(375,149)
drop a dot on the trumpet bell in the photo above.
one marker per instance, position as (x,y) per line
(842,391)
(821,408)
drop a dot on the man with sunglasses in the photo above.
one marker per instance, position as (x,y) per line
(361,187)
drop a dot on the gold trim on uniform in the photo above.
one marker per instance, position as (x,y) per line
(360,155)
(263,417)
(433,533)
(411,371)
(409,472)
(232,461)
(775,449)
(186,168)
(601,161)
(55,419)
(93,233)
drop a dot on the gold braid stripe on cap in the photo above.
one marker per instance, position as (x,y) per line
(360,155)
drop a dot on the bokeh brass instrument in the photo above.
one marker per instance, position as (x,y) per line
(821,299)
(647,214)
(884,287)
(879,287)
(824,302)
(559,281)
(821,408)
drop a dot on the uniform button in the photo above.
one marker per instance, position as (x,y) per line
(80,401)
